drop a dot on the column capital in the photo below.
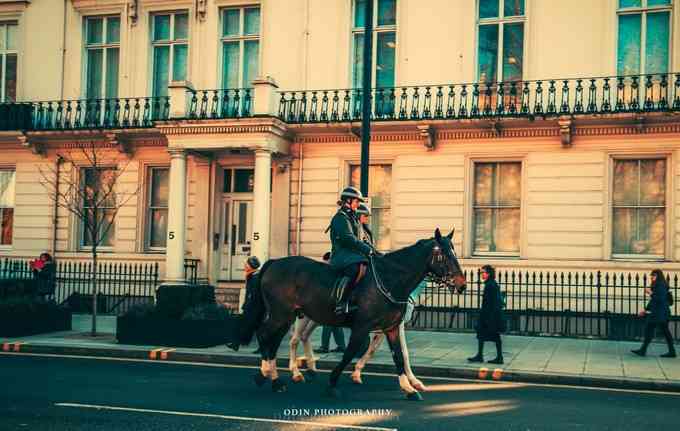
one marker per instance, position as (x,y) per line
(177,153)
(262,152)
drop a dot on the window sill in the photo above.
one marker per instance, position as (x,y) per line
(155,250)
(638,258)
(495,256)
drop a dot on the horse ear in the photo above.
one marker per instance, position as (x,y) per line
(450,235)
(437,234)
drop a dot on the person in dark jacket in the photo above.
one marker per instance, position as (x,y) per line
(491,322)
(657,312)
(252,302)
(348,251)
(44,271)
(363,214)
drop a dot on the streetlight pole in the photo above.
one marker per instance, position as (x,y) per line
(367,79)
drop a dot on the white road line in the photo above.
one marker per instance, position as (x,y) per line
(371,373)
(216,416)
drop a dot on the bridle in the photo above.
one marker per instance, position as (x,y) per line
(438,258)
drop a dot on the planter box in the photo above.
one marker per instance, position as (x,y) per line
(24,324)
(160,331)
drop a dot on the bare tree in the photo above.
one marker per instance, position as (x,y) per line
(93,193)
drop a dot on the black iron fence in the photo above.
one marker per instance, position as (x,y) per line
(222,103)
(120,285)
(544,98)
(109,113)
(581,304)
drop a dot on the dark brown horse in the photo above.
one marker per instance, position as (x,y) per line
(296,284)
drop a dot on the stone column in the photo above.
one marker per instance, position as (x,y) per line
(261,204)
(177,208)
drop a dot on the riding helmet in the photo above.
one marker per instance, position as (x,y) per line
(351,193)
(363,210)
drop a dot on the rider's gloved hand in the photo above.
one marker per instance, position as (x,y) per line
(375,252)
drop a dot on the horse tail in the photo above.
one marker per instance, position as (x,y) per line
(255,311)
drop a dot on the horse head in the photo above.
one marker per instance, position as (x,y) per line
(444,264)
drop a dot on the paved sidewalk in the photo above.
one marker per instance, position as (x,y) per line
(436,354)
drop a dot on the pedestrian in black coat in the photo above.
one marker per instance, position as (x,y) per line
(253,301)
(491,322)
(657,312)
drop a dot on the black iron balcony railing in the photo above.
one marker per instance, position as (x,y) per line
(87,113)
(544,98)
(222,103)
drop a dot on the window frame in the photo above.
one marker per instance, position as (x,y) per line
(241,38)
(170,42)
(149,208)
(500,21)
(668,213)
(643,11)
(390,28)
(80,223)
(348,181)
(3,60)
(9,246)
(104,46)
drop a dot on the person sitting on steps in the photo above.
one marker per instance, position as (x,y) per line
(348,251)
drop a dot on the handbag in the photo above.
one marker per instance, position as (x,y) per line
(670,298)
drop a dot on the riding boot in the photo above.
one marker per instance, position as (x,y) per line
(479,357)
(342,295)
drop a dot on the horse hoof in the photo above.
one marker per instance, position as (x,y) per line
(259,379)
(311,375)
(333,392)
(298,378)
(278,386)
(414,396)
(357,380)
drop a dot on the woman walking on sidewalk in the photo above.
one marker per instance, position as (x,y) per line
(657,312)
(491,322)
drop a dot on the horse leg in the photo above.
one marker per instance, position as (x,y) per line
(309,352)
(299,326)
(415,382)
(355,341)
(375,343)
(394,340)
(277,384)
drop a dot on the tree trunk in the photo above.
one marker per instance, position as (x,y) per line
(95,290)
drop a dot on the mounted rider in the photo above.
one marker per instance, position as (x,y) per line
(348,251)
(363,213)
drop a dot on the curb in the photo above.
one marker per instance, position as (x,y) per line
(483,373)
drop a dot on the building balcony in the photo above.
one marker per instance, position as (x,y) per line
(538,98)
(220,103)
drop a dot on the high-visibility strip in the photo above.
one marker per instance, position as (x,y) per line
(164,353)
(483,373)
(154,353)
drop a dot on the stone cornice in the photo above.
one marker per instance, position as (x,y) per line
(14,6)
(122,140)
(99,5)
(266,125)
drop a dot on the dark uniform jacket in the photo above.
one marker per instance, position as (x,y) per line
(347,248)
(368,233)
(251,286)
(491,321)
(658,306)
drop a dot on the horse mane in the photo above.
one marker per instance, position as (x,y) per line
(394,265)
(406,251)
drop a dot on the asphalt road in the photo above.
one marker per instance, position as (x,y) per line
(54,393)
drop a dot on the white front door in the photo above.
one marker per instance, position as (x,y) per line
(236,233)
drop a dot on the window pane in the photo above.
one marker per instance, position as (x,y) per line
(242,222)
(95,30)
(113,30)
(159,187)
(181,26)
(359,13)
(161,27)
(653,182)
(250,69)
(658,2)
(159,227)
(628,56)
(656,45)
(160,70)
(513,51)
(510,184)
(3,35)
(484,183)
(385,60)
(11,78)
(639,231)
(387,12)
(106,229)
(226,184)
(513,8)
(95,62)
(488,8)
(112,72)
(7,225)
(179,62)
(2,58)
(483,234)
(380,226)
(252,21)
(244,180)
(630,3)
(231,22)
(12,36)
(626,177)
(506,234)
(358,61)
(488,52)
(230,68)
(6,188)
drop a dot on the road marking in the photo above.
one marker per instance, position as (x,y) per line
(153,353)
(216,416)
(368,373)
(164,354)
(13,346)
